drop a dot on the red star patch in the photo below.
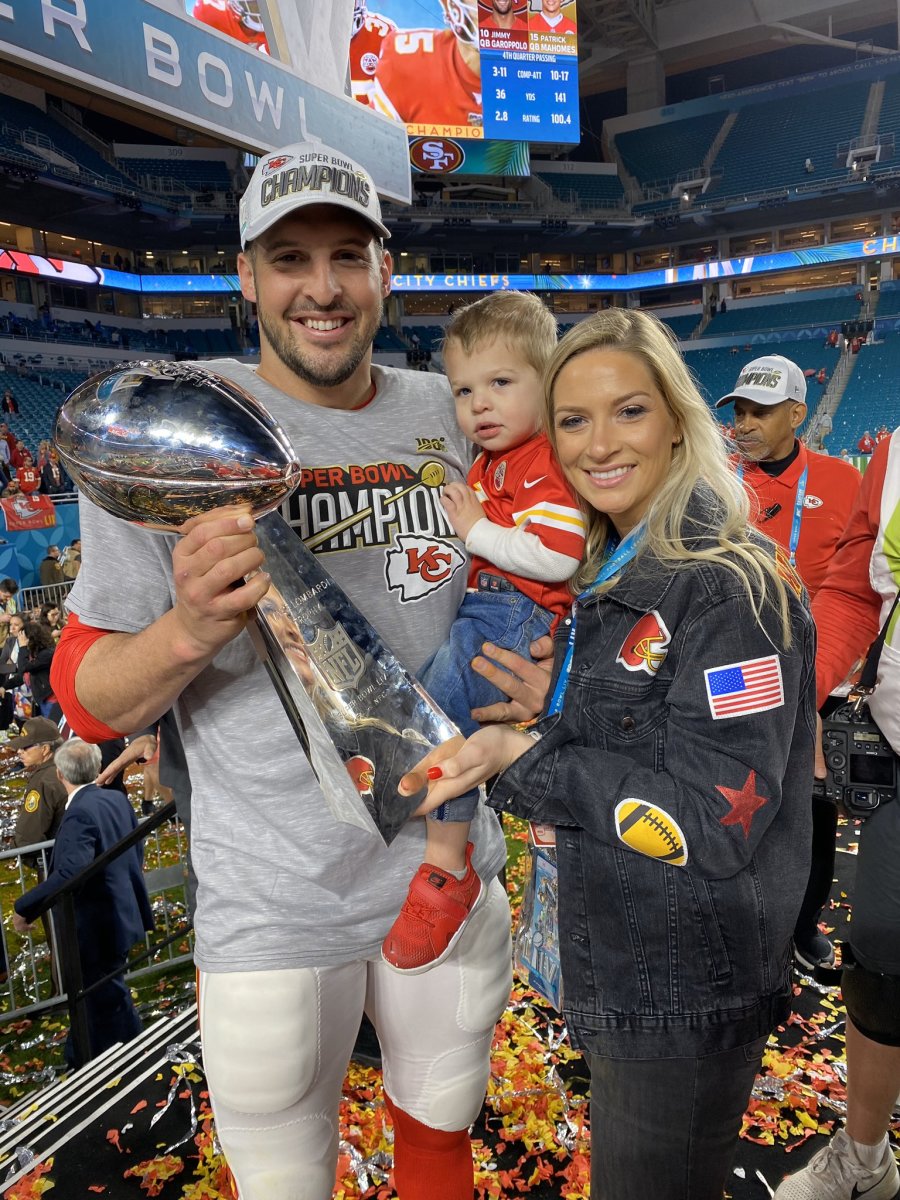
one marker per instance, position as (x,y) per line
(745,803)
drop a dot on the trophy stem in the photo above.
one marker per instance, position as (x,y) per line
(362,719)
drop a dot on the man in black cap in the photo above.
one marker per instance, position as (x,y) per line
(45,797)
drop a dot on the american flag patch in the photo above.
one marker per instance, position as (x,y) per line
(741,688)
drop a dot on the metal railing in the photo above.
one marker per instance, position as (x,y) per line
(31,987)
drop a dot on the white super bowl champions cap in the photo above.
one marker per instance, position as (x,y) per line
(306,173)
(768,380)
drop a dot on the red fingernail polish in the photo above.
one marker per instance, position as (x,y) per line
(435,772)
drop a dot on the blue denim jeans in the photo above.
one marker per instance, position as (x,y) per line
(509,620)
(668,1128)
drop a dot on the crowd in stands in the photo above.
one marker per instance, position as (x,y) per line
(23,471)
(29,636)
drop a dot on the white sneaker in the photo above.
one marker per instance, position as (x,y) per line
(835,1173)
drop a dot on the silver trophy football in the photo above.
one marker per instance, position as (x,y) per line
(156,443)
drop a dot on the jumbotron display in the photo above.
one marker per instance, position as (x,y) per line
(495,69)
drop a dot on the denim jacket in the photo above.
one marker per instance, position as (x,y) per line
(681,795)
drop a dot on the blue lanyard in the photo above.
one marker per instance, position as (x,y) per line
(798,512)
(618,555)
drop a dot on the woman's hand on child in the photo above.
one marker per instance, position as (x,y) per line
(457,766)
(525,680)
(462,506)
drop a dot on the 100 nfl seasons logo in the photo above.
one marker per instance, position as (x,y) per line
(436,155)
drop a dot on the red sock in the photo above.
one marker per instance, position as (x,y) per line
(430,1164)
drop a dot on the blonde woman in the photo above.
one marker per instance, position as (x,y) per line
(675,760)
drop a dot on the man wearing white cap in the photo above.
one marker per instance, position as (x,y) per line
(802,501)
(292,907)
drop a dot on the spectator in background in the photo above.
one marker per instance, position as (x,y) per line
(5,471)
(832,339)
(723,307)
(8,604)
(9,403)
(821,377)
(27,474)
(44,801)
(53,478)
(50,569)
(866,443)
(8,437)
(37,642)
(51,616)
(845,454)
(17,454)
(713,305)
(112,911)
(882,434)
(71,559)
(9,656)
(43,454)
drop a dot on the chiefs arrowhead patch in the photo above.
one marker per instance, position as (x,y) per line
(646,646)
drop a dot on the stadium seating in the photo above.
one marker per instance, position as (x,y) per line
(682,325)
(872,396)
(87,162)
(430,336)
(769,143)
(660,152)
(38,402)
(193,174)
(716,368)
(585,191)
(790,314)
(386,339)
(889,300)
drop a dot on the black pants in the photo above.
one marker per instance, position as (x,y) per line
(821,869)
(667,1129)
(111,1015)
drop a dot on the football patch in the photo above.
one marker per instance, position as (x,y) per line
(651,831)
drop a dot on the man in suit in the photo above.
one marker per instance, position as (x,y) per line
(112,910)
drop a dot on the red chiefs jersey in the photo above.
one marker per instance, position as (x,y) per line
(525,487)
(422,78)
(538,23)
(365,51)
(28,479)
(219,15)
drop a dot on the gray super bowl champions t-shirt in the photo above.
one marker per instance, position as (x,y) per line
(282,884)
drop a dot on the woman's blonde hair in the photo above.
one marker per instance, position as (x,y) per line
(699,460)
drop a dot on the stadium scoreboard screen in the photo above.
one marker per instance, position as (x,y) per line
(504,70)
(533,100)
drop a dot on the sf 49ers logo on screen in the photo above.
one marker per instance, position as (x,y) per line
(436,154)
(417,565)
(646,646)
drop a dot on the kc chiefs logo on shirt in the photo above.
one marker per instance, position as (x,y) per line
(646,646)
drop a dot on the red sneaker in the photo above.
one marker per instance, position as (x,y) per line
(434,914)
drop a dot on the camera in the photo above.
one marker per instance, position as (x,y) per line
(863,769)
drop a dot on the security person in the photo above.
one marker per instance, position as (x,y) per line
(850,608)
(802,501)
(45,797)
